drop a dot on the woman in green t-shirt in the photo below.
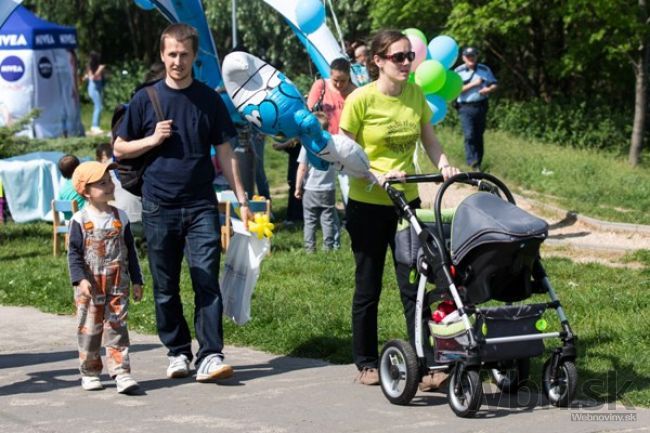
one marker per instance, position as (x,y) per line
(386,117)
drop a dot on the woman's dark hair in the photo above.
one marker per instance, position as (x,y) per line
(380,45)
(341,64)
(67,164)
(94,60)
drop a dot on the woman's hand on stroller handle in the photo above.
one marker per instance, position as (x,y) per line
(448,171)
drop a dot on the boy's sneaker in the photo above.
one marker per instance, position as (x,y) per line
(179,366)
(125,383)
(212,367)
(91,383)
(368,376)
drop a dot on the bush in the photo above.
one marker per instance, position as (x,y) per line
(580,125)
(10,143)
(121,84)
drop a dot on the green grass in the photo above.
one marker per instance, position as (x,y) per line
(597,184)
(301,306)
(104,119)
(302,303)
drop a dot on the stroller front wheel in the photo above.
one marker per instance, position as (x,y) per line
(560,386)
(465,391)
(398,372)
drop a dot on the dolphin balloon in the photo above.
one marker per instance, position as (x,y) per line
(271,102)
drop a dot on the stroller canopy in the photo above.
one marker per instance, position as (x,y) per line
(484,218)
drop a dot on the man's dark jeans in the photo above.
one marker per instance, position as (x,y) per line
(472,119)
(171,231)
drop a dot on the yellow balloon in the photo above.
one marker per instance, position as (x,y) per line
(261,226)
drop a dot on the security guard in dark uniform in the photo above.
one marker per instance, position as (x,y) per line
(478,82)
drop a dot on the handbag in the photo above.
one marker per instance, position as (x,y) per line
(240,273)
(318,106)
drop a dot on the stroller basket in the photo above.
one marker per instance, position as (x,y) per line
(450,340)
(510,321)
(494,245)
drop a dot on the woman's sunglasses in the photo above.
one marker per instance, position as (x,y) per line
(400,57)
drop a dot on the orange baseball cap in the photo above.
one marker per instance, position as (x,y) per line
(89,172)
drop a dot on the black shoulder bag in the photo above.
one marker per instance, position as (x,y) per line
(130,170)
(318,106)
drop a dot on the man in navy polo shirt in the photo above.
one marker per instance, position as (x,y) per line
(478,82)
(179,208)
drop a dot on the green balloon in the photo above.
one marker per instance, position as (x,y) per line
(452,87)
(417,33)
(430,76)
(412,77)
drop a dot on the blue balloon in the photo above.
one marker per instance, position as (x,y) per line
(444,49)
(310,15)
(439,107)
(144,4)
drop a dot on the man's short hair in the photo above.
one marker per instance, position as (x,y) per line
(181,32)
(67,165)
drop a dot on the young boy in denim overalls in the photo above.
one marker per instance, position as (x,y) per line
(102,260)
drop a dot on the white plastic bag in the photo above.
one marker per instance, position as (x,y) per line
(240,273)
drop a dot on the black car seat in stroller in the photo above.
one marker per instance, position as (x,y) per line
(494,245)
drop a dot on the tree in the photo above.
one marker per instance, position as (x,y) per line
(118,29)
(641,64)
(428,16)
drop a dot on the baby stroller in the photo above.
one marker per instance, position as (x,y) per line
(486,249)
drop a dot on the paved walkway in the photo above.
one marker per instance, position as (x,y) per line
(40,392)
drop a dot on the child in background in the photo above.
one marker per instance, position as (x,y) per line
(102,262)
(317,189)
(67,164)
(104,153)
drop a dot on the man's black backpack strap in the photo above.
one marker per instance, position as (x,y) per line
(131,170)
(153,96)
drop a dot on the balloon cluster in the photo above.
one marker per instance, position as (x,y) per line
(431,70)
(261,226)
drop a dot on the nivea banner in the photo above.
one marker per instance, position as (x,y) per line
(38,71)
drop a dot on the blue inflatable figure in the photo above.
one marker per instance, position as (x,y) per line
(271,102)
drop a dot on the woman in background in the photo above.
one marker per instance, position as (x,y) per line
(95,76)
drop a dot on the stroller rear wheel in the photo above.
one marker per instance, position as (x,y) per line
(465,391)
(399,374)
(509,376)
(559,386)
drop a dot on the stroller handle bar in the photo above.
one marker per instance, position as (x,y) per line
(484,182)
